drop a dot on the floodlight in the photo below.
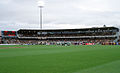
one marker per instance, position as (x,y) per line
(41,3)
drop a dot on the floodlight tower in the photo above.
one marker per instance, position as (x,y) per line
(41,5)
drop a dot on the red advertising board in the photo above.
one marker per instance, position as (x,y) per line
(90,43)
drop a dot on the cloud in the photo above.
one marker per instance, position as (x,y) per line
(59,14)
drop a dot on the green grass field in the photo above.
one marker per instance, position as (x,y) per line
(60,59)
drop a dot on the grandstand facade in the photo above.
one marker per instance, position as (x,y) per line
(101,35)
(0,38)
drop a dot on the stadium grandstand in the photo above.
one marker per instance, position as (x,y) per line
(100,35)
(86,36)
(9,37)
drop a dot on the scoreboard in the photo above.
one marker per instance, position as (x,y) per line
(9,33)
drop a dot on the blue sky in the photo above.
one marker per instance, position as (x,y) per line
(59,14)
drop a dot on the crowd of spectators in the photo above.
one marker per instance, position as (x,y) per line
(10,41)
(59,41)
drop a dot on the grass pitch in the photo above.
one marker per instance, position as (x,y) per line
(59,59)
